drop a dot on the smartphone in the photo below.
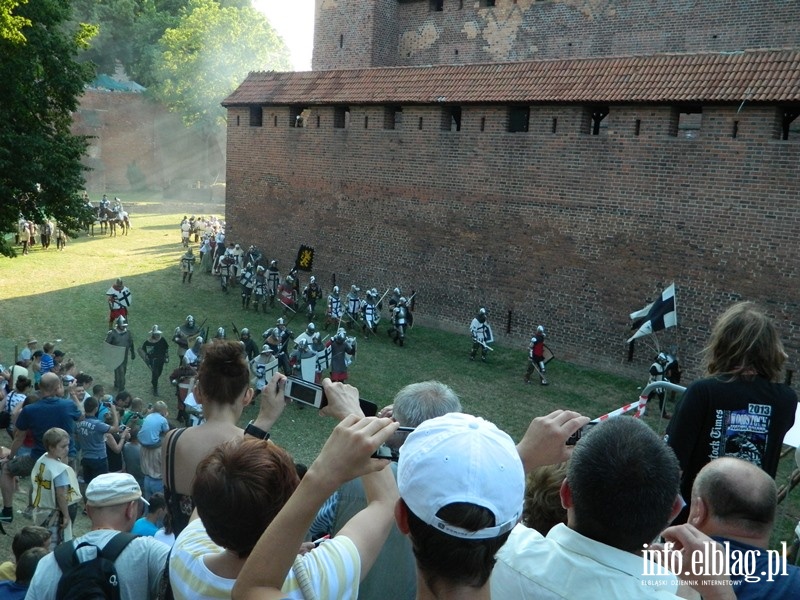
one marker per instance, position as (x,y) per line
(304,392)
(391,448)
(573,439)
(370,409)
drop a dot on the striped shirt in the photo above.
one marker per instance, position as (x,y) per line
(333,569)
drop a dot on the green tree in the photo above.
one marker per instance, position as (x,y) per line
(209,53)
(40,83)
(11,25)
(206,57)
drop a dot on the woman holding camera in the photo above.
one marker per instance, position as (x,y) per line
(223,389)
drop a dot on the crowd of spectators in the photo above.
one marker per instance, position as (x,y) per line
(464,512)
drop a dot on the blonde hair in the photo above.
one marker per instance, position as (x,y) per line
(745,343)
(542,509)
(53,436)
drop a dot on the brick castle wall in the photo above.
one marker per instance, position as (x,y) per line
(127,129)
(392,32)
(566,229)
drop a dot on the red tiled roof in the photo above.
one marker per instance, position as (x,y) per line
(755,76)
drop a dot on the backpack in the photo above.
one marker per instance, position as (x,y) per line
(93,579)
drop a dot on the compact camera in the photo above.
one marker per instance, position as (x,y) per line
(573,439)
(312,394)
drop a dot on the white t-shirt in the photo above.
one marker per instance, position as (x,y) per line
(139,567)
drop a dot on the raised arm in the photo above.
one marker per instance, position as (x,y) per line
(345,456)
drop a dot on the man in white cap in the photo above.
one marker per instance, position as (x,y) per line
(461,485)
(114,502)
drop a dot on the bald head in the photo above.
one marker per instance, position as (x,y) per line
(50,384)
(737,497)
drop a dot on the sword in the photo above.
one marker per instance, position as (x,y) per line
(482,344)
(287,306)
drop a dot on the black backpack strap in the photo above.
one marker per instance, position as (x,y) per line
(170,458)
(116,545)
(65,556)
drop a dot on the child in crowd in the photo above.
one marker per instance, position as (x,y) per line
(55,487)
(148,524)
(30,536)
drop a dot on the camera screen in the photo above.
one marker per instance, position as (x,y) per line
(303,393)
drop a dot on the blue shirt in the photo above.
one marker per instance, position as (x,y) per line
(153,426)
(11,590)
(44,414)
(144,527)
(91,434)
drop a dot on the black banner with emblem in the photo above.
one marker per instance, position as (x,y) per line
(305,258)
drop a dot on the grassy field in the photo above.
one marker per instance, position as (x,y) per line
(60,297)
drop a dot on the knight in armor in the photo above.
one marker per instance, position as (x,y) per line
(186,229)
(119,301)
(249,346)
(304,361)
(252,256)
(334,310)
(247,281)
(401,319)
(263,367)
(370,310)
(394,298)
(481,333)
(278,339)
(187,265)
(287,295)
(353,304)
(120,336)
(306,335)
(220,335)
(185,335)
(657,370)
(236,268)
(342,347)
(260,288)
(536,356)
(226,269)
(154,351)
(311,294)
(323,353)
(273,280)
(192,356)
(183,379)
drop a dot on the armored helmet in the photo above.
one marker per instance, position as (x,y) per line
(265,349)
(341,334)
(482,311)
(220,333)
(280,322)
(245,331)
(155,331)
(120,322)
(540,329)
(336,289)
(303,343)
(402,300)
(662,358)
(273,263)
(311,327)
(190,320)
(260,269)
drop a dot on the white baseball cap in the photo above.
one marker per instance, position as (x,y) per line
(461,458)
